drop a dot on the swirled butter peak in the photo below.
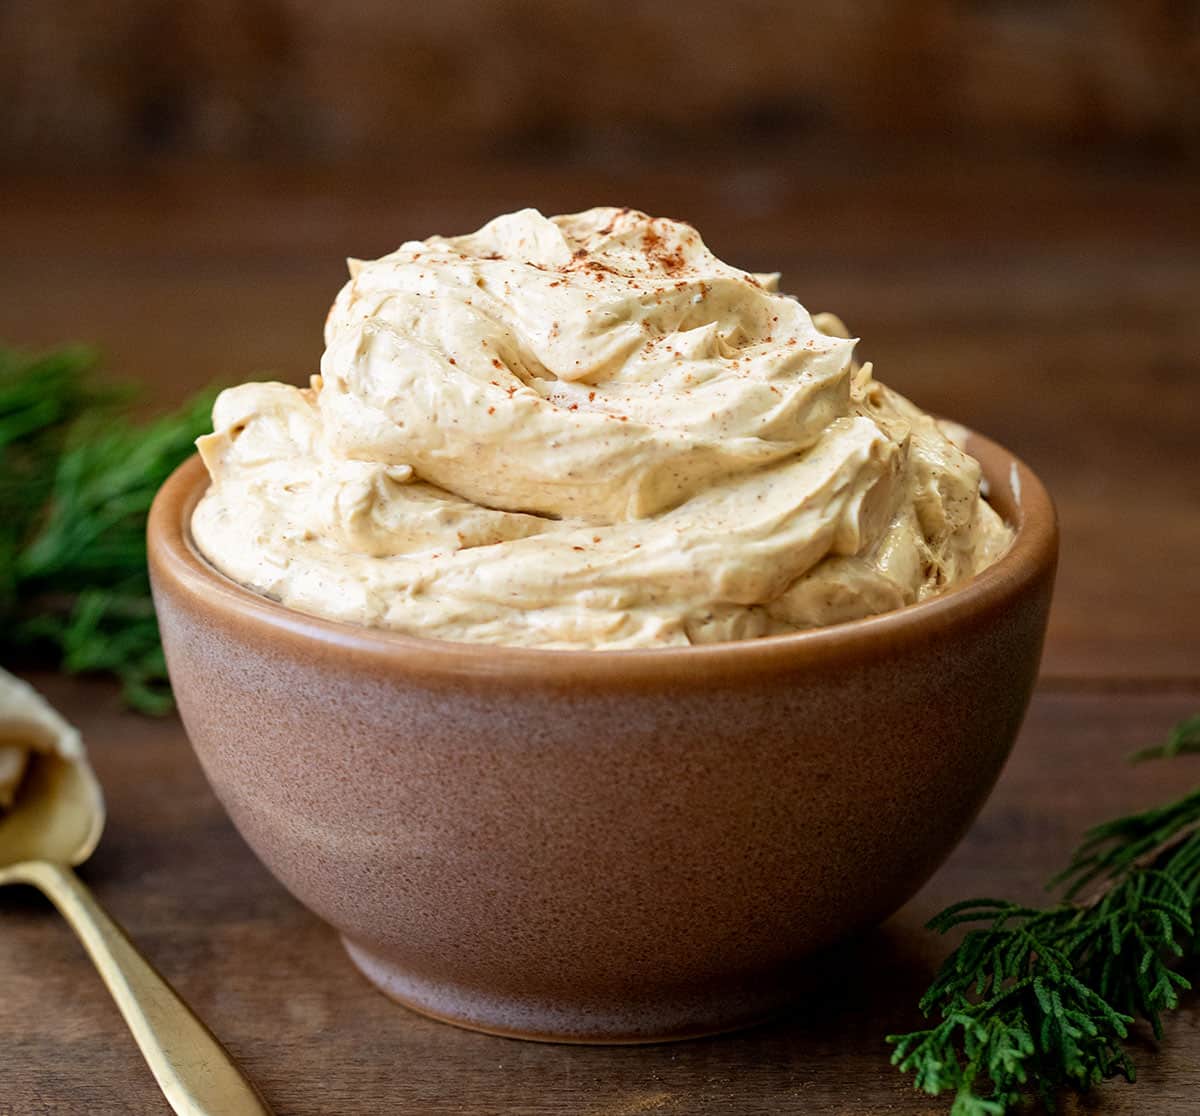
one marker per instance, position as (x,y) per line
(585,431)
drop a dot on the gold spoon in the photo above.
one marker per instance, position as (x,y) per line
(54,824)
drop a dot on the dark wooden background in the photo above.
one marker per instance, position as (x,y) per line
(1000,197)
(104,81)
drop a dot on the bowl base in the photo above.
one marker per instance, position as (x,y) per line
(534,1021)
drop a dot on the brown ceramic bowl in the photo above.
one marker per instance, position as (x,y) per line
(603,846)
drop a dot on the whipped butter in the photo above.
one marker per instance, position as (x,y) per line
(585,431)
(28,726)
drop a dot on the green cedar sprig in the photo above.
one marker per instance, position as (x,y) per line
(1184,739)
(76,480)
(1042,1000)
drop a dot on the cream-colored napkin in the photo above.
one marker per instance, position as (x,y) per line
(28,724)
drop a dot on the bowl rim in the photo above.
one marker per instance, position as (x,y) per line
(176,564)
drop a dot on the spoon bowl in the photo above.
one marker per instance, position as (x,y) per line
(58,816)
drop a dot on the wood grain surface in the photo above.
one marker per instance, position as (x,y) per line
(1053,308)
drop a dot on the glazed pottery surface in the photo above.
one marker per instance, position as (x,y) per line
(603,846)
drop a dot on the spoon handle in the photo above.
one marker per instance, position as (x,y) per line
(195,1072)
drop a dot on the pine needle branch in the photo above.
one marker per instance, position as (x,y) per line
(1183,739)
(76,481)
(1042,1000)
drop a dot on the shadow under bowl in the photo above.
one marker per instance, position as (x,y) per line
(603,846)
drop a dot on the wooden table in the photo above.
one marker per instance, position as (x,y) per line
(1054,308)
